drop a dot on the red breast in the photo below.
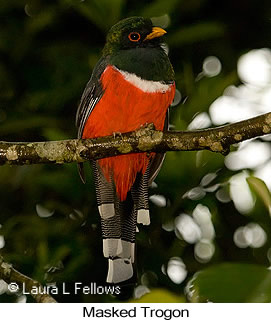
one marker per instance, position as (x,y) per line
(125,106)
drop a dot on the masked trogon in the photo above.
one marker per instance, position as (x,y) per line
(131,85)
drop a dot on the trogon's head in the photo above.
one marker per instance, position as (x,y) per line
(134,32)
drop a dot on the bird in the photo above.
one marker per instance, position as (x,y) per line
(131,85)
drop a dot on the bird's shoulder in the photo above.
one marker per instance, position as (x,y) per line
(91,95)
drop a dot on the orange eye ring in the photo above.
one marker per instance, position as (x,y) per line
(134,36)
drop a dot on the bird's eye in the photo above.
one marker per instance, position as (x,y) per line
(134,36)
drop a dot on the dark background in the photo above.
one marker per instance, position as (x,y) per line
(50,223)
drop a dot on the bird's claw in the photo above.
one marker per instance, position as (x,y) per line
(117,134)
(147,125)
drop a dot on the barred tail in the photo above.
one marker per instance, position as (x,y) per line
(118,221)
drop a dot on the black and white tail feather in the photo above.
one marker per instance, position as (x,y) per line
(118,218)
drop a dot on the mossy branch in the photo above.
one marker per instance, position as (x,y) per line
(16,281)
(142,140)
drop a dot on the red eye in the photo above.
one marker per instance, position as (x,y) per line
(134,36)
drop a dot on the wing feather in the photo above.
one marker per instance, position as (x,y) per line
(90,97)
(157,161)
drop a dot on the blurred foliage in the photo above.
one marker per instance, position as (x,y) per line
(49,219)
(259,188)
(241,283)
(160,296)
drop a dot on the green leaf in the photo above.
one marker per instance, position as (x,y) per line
(259,188)
(160,7)
(231,283)
(160,295)
(195,33)
(103,13)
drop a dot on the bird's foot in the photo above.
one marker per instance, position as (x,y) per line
(117,134)
(148,126)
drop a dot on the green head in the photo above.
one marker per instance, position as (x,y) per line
(134,45)
(131,33)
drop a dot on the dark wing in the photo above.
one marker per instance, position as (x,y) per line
(90,97)
(157,161)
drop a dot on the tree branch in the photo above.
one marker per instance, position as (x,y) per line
(144,139)
(15,279)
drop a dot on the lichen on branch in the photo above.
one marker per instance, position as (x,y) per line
(142,140)
(12,276)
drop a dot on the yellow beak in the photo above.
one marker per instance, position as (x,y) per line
(156,32)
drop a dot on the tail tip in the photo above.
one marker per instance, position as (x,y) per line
(119,270)
(143,217)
